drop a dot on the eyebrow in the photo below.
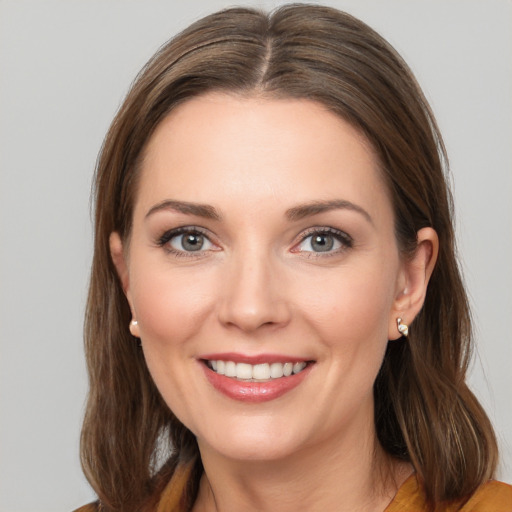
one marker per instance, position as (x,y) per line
(316,207)
(293,214)
(200,210)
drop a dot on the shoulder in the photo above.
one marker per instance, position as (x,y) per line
(91,507)
(492,496)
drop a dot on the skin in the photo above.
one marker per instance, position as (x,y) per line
(258,286)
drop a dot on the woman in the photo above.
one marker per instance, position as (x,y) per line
(276,320)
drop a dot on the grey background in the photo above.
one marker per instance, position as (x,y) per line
(64,69)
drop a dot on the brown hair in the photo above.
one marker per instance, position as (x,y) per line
(424,411)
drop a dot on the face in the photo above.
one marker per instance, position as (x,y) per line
(263,272)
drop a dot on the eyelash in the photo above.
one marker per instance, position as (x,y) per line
(164,240)
(343,238)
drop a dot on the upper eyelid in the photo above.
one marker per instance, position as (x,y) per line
(185,229)
(324,229)
(171,233)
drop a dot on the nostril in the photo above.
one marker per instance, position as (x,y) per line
(251,317)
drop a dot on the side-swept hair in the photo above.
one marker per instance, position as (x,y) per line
(132,445)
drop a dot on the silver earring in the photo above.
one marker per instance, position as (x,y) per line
(134,323)
(403,329)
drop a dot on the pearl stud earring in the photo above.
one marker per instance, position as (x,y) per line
(134,329)
(403,329)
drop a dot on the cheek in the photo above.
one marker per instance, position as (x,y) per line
(171,309)
(352,306)
(170,306)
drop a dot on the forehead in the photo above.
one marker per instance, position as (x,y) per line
(220,147)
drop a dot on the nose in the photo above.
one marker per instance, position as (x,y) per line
(253,294)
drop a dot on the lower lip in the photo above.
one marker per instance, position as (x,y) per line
(254,392)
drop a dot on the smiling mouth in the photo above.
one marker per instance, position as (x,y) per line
(263,372)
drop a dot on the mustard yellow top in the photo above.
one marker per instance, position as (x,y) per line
(492,496)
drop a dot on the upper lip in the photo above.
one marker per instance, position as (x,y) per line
(253,359)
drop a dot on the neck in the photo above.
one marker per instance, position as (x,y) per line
(352,475)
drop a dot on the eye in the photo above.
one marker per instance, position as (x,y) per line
(185,240)
(190,242)
(324,241)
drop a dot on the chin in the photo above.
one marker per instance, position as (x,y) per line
(255,451)
(253,442)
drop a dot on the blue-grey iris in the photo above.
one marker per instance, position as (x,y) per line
(322,243)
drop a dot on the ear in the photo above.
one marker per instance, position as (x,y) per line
(413,281)
(120,262)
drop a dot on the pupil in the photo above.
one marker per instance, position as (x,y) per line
(322,243)
(192,242)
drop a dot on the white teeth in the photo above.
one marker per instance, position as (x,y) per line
(243,371)
(298,367)
(230,369)
(257,372)
(261,371)
(276,370)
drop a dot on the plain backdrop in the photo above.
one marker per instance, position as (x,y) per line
(64,69)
